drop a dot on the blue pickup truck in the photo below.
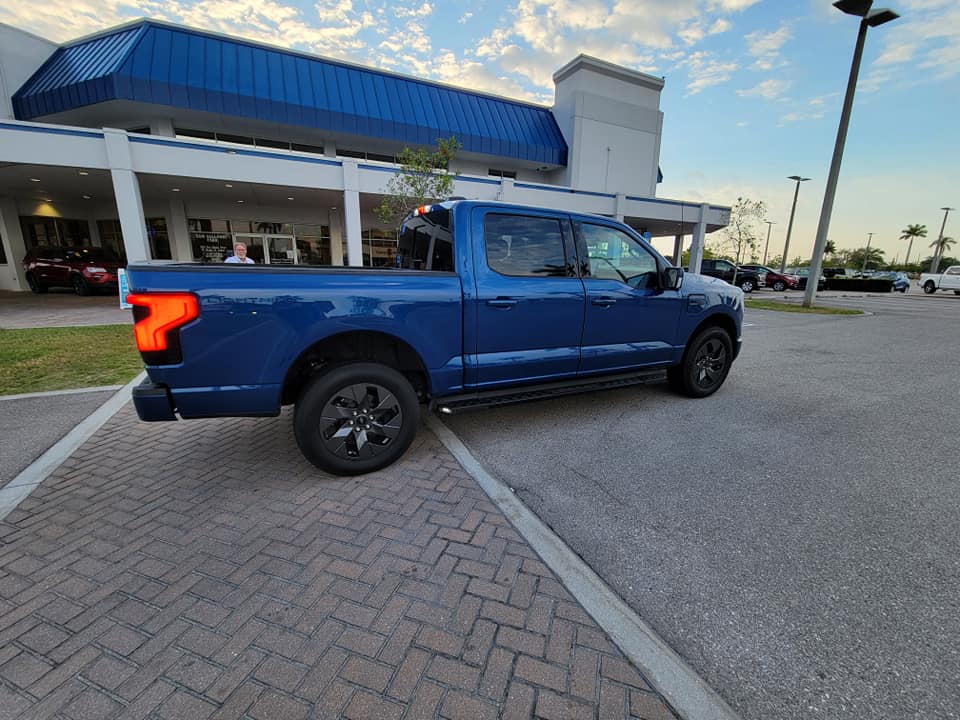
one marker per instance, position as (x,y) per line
(489,303)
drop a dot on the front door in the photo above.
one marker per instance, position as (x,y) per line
(528,301)
(269,249)
(629,321)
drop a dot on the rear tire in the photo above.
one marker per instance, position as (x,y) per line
(705,365)
(80,286)
(35,287)
(929,287)
(356,418)
(747,286)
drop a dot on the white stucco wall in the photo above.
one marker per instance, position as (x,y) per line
(21,54)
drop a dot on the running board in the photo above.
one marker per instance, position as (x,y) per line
(493,398)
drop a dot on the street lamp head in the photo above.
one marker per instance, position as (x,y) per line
(948,209)
(797,178)
(881,16)
(854,7)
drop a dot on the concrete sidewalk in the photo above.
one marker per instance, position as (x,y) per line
(203,569)
(59,308)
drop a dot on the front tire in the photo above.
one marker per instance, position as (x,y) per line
(779,286)
(356,418)
(80,286)
(929,287)
(705,365)
(35,287)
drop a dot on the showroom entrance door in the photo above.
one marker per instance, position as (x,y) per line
(269,249)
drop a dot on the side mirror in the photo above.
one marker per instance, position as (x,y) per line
(672,278)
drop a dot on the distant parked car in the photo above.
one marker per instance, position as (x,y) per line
(746,280)
(840,272)
(801,274)
(901,282)
(773,279)
(85,269)
(948,280)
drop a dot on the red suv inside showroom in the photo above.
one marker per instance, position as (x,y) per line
(85,269)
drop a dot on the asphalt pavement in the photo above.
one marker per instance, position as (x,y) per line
(796,537)
(29,426)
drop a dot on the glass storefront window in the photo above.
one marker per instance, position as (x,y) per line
(39,231)
(111,236)
(159,239)
(211,240)
(379,247)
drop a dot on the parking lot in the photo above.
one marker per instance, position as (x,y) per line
(794,537)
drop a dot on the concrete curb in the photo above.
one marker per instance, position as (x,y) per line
(15,491)
(54,393)
(686,691)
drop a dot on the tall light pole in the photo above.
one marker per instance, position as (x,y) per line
(868,18)
(770,225)
(786,244)
(935,263)
(867,253)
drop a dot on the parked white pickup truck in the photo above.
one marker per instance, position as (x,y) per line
(949,280)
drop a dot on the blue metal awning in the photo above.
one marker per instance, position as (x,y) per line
(160,64)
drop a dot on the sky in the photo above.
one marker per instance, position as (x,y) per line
(753,87)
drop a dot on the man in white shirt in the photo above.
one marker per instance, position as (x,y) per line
(239,255)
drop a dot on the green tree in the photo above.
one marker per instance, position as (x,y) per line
(945,261)
(911,233)
(424,176)
(829,248)
(867,258)
(939,246)
(741,237)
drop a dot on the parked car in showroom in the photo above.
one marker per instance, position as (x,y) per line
(85,269)
(900,280)
(773,279)
(746,280)
(801,274)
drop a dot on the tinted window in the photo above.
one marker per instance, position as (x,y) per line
(426,242)
(92,254)
(614,255)
(524,246)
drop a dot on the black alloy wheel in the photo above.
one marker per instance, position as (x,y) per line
(80,286)
(705,364)
(356,418)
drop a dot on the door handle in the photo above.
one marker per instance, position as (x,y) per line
(502,302)
(603,301)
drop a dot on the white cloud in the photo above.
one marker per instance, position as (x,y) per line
(765,47)
(704,71)
(463,18)
(771,89)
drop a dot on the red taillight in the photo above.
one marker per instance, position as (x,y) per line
(164,312)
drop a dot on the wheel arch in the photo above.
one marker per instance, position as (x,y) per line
(356,346)
(717,319)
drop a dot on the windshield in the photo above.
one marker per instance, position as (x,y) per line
(92,254)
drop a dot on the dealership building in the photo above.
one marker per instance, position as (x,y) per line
(166,142)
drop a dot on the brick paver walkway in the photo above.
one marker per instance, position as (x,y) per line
(203,570)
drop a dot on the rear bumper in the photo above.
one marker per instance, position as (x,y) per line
(153,402)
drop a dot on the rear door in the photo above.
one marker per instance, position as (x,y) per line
(630,321)
(529,300)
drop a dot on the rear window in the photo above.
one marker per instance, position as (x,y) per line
(426,242)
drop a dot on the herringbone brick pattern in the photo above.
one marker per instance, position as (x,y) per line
(203,570)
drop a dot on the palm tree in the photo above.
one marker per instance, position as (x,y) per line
(912,231)
(829,247)
(939,247)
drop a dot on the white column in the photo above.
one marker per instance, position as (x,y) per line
(619,207)
(162,126)
(505,193)
(336,237)
(677,250)
(126,190)
(699,235)
(11,274)
(179,232)
(351,213)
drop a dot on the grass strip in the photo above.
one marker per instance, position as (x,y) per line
(43,359)
(754,304)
